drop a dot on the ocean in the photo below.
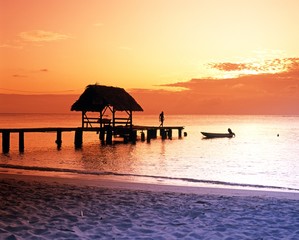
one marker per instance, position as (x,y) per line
(263,155)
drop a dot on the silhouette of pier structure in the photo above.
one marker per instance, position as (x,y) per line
(108,102)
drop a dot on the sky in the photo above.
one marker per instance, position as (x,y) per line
(185,56)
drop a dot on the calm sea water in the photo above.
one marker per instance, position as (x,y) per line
(256,157)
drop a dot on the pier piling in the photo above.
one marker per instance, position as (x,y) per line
(133,136)
(102,136)
(180,133)
(109,136)
(78,138)
(21,142)
(169,133)
(142,136)
(5,141)
(106,134)
(163,133)
(148,136)
(59,139)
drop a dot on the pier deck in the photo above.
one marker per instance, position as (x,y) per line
(105,134)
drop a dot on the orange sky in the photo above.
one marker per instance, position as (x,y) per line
(225,57)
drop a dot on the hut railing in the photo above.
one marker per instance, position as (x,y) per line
(122,121)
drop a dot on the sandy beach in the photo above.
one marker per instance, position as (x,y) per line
(34,207)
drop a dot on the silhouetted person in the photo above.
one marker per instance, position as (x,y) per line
(161,118)
(230,131)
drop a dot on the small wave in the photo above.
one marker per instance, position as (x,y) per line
(105,173)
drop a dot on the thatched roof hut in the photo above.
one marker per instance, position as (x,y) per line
(96,97)
(99,98)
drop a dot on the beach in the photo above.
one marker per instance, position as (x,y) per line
(34,207)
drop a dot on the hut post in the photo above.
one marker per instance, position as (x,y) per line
(131,119)
(113,117)
(101,119)
(83,114)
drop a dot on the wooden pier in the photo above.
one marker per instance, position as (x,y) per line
(106,134)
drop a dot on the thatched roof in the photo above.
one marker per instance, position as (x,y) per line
(96,97)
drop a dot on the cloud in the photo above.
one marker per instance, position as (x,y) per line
(267,66)
(229,66)
(42,36)
(19,76)
(28,73)
(261,93)
(11,46)
(293,64)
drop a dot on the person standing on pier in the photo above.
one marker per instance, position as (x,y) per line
(161,118)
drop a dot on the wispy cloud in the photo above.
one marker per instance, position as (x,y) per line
(42,36)
(19,76)
(229,66)
(267,66)
(28,73)
(13,46)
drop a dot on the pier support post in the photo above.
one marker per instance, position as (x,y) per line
(180,133)
(163,133)
(109,136)
(133,136)
(126,138)
(169,133)
(21,141)
(142,136)
(102,135)
(5,141)
(148,136)
(78,138)
(59,139)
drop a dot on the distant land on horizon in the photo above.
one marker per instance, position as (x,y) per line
(169,102)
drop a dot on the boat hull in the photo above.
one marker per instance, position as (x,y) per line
(218,135)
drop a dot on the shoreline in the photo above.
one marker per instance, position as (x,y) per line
(113,183)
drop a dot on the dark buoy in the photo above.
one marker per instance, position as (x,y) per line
(277,134)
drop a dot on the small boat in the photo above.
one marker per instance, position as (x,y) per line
(217,135)
(230,134)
